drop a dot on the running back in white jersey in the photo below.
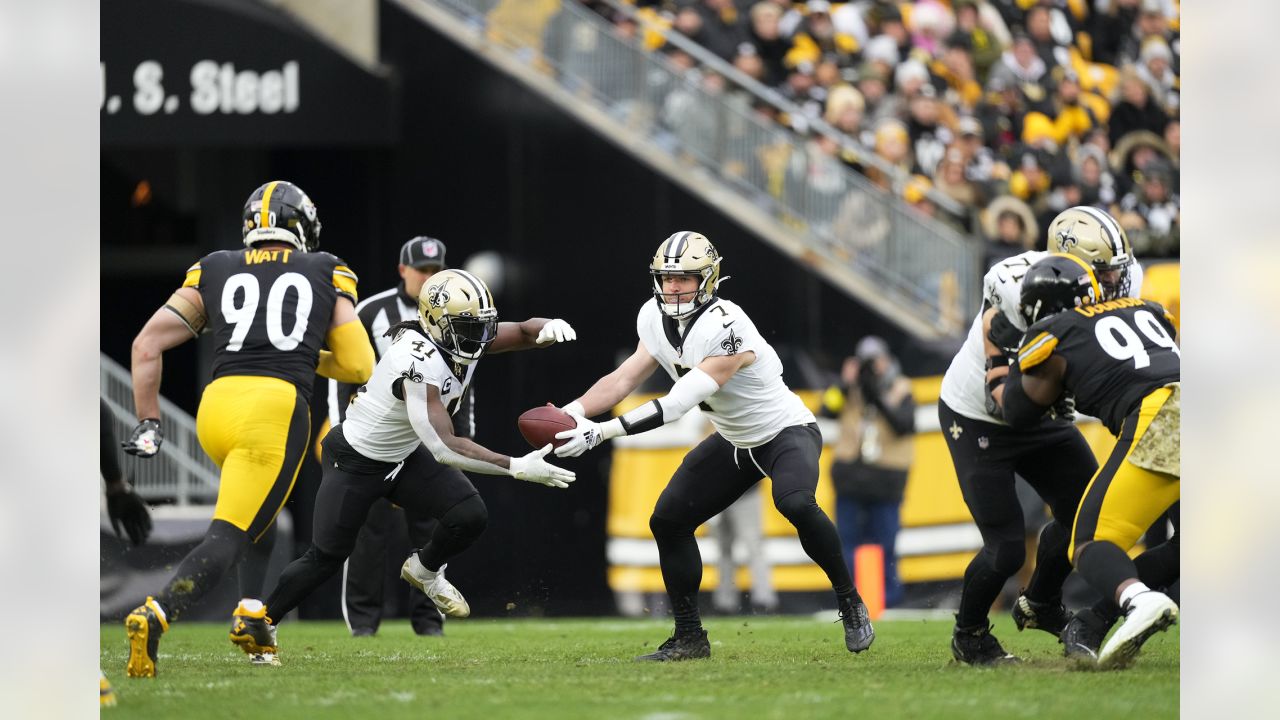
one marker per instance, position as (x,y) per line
(377,423)
(755,404)
(964,385)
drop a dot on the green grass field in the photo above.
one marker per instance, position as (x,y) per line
(789,668)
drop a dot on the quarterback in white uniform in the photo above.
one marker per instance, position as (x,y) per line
(397,442)
(720,362)
(1052,457)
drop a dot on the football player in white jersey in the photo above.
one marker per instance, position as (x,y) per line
(721,363)
(397,442)
(1052,457)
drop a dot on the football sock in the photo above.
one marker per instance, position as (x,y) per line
(203,567)
(1159,566)
(984,578)
(252,570)
(681,570)
(456,530)
(1104,566)
(298,581)
(1052,564)
(1129,593)
(819,539)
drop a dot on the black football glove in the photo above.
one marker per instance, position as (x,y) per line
(1064,408)
(127,510)
(145,440)
(1005,335)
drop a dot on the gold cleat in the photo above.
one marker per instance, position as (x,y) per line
(144,625)
(253,631)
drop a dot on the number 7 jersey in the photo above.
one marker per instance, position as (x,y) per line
(270,309)
(1117,352)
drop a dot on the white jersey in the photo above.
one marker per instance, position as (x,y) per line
(964,386)
(377,423)
(754,405)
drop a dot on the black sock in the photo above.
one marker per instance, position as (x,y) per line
(252,571)
(299,579)
(455,531)
(1104,566)
(819,539)
(1159,567)
(681,570)
(984,578)
(1052,564)
(203,567)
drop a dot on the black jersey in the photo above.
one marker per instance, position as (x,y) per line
(1117,352)
(270,309)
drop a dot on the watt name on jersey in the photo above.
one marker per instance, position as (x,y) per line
(964,385)
(755,404)
(377,422)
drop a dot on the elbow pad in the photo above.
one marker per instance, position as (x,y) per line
(688,391)
(352,359)
(1019,410)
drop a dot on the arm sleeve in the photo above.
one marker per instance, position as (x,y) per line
(688,391)
(351,358)
(420,418)
(1019,410)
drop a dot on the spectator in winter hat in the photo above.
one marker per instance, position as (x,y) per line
(765,35)
(1010,228)
(1135,111)
(931,22)
(1155,68)
(1097,184)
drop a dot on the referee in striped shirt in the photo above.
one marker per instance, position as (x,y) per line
(367,572)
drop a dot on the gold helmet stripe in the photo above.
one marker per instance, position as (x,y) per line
(1109,226)
(264,216)
(1093,279)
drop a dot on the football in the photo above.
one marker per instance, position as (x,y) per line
(540,425)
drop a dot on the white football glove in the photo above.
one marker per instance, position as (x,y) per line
(556,331)
(533,468)
(145,440)
(583,437)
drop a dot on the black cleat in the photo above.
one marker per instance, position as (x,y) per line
(977,646)
(689,646)
(1083,635)
(1050,617)
(858,633)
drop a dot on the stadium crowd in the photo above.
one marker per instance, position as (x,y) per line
(1015,109)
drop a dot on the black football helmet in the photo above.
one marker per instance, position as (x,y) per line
(1056,283)
(280,211)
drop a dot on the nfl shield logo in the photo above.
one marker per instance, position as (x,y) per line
(983,443)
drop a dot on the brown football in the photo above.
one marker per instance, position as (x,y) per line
(540,425)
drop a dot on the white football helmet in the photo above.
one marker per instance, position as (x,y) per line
(686,253)
(457,312)
(1095,237)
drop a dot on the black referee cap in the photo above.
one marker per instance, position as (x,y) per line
(423,252)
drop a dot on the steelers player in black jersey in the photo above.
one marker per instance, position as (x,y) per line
(270,308)
(1120,360)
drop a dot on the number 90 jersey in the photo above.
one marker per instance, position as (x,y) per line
(755,404)
(1117,352)
(270,309)
(964,385)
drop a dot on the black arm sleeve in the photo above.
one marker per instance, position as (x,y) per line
(902,417)
(1019,410)
(110,462)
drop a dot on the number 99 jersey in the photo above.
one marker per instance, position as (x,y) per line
(1117,353)
(270,309)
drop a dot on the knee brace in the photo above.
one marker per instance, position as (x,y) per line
(467,520)
(1005,557)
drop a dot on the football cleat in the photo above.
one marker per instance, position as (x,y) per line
(681,646)
(977,646)
(106,695)
(1146,614)
(253,631)
(1050,617)
(446,597)
(1083,635)
(144,625)
(858,633)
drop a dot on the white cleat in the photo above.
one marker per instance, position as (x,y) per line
(435,586)
(1148,613)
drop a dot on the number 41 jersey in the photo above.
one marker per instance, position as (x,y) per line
(270,310)
(1117,352)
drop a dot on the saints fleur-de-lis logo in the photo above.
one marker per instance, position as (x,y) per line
(437,295)
(1066,238)
(732,343)
(412,374)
